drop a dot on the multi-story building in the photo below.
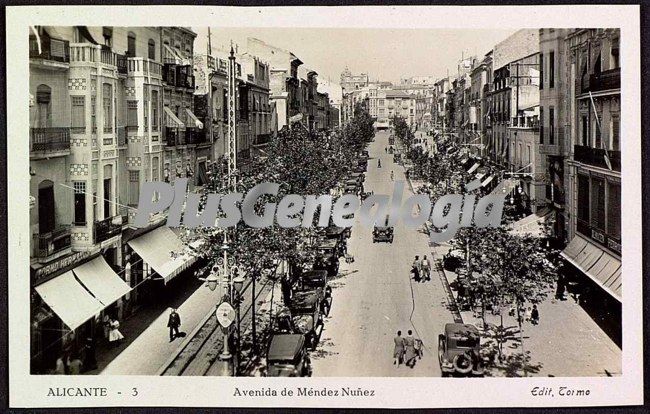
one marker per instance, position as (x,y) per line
(109,112)
(480,77)
(441,88)
(593,164)
(524,157)
(350,82)
(211,99)
(255,99)
(284,80)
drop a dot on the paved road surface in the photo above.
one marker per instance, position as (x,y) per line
(374,296)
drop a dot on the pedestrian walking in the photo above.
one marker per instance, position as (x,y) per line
(89,356)
(426,268)
(379,163)
(534,315)
(115,336)
(398,350)
(75,365)
(106,324)
(386,150)
(173,324)
(60,366)
(415,269)
(409,350)
(392,175)
(561,286)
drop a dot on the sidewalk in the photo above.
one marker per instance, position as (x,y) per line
(565,343)
(151,349)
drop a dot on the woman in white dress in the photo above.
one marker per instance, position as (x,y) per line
(115,335)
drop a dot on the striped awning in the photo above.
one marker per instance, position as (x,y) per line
(172,120)
(195,121)
(600,266)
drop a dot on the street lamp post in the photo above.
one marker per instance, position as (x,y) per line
(237,285)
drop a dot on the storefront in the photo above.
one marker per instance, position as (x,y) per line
(68,305)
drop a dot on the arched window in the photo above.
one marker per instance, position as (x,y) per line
(43,106)
(131,44)
(152,49)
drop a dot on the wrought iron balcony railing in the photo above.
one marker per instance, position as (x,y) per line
(47,244)
(50,139)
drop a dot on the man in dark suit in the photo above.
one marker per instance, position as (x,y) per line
(173,324)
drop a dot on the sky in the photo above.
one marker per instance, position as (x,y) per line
(385,54)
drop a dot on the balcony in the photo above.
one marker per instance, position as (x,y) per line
(610,79)
(174,136)
(137,66)
(50,243)
(51,49)
(107,228)
(50,141)
(596,157)
(262,139)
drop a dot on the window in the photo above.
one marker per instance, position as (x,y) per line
(79,203)
(108,36)
(551,69)
(152,49)
(528,157)
(93,114)
(78,121)
(541,71)
(541,124)
(146,115)
(154,111)
(598,203)
(614,60)
(616,134)
(132,113)
(583,198)
(107,95)
(598,136)
(44,106)
(154,169)
(614,210)
(585,130)
(551,126)
(130,52)
(134,187)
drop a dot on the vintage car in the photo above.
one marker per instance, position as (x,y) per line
(459,350)
(303,315)
(397,158)
(391,140)
(360,177)
(287,356)
(382,234)
(365,154)
(316,280)
(363,163)
(453,260)
(327,257)
(337,233)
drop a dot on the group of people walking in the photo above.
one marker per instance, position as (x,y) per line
(407,349)
(421,269)
(75,361)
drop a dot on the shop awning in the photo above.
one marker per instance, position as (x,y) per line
(172,119)
(71,302)
(473,168)
(194,120)
(600,266)
(156,249)
(487,181)
(98,277)
(171,54)
(505,186)
(534,224)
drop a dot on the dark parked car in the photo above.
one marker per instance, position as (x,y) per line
(327,257)
(382,234)
(287,356)
(316,280)
(459,350)
(452,260)
(303,315)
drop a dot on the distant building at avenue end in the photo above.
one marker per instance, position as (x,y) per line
(110,109)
